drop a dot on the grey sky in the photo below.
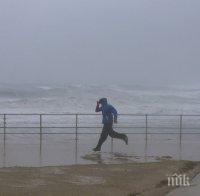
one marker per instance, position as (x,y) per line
(100,41)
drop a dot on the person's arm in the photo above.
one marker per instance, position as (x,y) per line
(115,114)
(98,109)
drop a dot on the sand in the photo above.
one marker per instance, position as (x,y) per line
(127,179)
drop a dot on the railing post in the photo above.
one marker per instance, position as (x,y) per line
(4,124)
(76,131)
(4,139)
(76,138)
(40,137)
(180,126)
(146,125)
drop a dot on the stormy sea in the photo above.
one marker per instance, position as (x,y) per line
(135,99)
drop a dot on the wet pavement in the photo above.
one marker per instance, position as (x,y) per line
(64,149)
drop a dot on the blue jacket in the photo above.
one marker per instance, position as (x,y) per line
(108,111)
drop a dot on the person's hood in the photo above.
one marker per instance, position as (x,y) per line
(103,101)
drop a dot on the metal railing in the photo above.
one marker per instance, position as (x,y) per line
(147,122)
(135,124)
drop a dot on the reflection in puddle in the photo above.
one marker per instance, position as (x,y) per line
(95,157)
(50,150)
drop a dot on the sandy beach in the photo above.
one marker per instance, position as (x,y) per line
(127,179)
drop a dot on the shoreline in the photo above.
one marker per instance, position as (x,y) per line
(127,179)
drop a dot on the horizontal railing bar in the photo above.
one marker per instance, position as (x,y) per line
(70,127)
(38,127)
(126,114)
(36,133)
(89,127)
(137,133)
(100,133)
(48,114)
(93,127)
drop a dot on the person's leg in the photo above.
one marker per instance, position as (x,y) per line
(117,135)
(102,138)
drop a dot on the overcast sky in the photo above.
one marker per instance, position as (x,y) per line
(100,41)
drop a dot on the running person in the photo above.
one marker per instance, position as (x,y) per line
(108,111)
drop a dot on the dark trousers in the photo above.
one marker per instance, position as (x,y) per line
(108,130)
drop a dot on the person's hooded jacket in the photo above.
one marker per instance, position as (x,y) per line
(108,111)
